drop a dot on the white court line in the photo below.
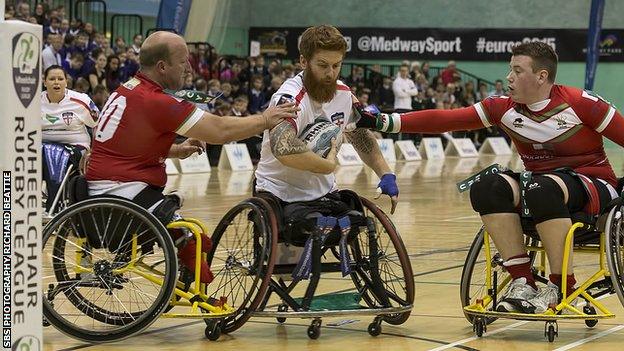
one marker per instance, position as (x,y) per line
(593,337)
(511,326)
(453,219)
(463,341)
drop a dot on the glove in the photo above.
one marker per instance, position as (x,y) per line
(370,117)
(388,186)
(366,117)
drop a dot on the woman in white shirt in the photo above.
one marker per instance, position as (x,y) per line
(65,116)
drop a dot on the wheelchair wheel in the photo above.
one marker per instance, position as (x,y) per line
(395,269)
(614,233)
(97,257)
(242,258)
(473,283)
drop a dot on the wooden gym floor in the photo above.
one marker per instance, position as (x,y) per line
(437,226)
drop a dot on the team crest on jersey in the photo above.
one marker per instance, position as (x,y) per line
(518,123)
(561,122)
(68,117)
(337,118)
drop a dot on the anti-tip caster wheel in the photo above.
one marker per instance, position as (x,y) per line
(314,330)
(281,308)
(213,331)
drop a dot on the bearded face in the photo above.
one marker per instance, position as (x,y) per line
(321,73)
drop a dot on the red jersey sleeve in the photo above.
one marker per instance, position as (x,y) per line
(492,109)
(598,114)
(440,121)
(173,115)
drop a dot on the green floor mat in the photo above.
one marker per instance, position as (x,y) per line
(335,301)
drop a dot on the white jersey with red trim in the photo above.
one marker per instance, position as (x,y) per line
(138,125)
(291,184)
(66,122)
(562,131)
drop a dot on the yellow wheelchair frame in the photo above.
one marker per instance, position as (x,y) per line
(480,309)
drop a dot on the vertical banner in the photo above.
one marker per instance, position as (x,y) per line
(20,161)
(173,14)
(593,42)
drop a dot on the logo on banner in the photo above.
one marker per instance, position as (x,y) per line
(27,342)
(26,49)
(237,153)
(337,118)
(68,117)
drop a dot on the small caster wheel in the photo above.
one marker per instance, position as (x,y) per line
(281,308)
(213,331)
(479,326)
(314,330)
(590,322)
(551,331)
(374,329)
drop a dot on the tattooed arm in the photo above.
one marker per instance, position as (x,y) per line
(367,148)
(292,152)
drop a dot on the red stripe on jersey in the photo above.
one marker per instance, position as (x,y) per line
(300,96)
(81,103)
(342,87)
(593,205)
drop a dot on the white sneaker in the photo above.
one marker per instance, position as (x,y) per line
(516,297)
(545,297)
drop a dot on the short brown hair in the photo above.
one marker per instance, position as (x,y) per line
(543,55)
(149,56)
(323,37)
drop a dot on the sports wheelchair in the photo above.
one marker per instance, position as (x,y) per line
(369,251)
(110,270)
(61,163)
(484,279)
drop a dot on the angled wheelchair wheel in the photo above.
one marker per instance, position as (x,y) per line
(99,280)
(395,269)
(242,259)
(614,233)
(473,280)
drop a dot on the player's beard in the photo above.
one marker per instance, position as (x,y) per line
(318,90)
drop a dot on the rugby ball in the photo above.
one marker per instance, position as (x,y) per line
(318,135)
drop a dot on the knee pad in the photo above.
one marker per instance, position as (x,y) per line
(544,198)
(492,194)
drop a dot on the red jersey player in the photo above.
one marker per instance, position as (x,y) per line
(558,132)
(139,123)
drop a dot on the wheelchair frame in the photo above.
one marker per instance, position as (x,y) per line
(483,310)
(201,306)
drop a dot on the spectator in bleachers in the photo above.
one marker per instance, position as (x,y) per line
(53,28)
(75,26)
(201,85)
(404,89)
(449,74)
(97,74)
(40,14)
(99,96)
(237,89)
(9,12)
(257,67)
(226,93)
(276,83)
(498,88)
(483,93)
(468,96)
(23,11)
(414,70)
(112,72)
(239,107)
(424,69)
(60,9)
(74,67)
(385,94)
(120,45)
(288,71)
(448,97)
(363,97)
(90,30)
(214,87)
(82,44)
(50,55)
(223,108)
(64,29)
(257,97)
(129,65)
(189,84)
(137,40)
(81,85)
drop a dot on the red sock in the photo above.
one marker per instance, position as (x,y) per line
(570,281)
(520,266)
